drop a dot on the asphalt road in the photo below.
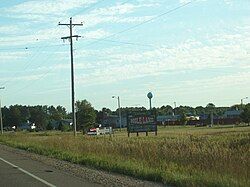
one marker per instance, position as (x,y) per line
(17,170)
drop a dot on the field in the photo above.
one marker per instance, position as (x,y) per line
(179,156)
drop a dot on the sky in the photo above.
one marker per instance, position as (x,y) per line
(191,52)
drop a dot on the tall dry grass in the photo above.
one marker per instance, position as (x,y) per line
(178,156)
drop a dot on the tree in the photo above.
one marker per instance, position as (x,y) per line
(182,109)
(15,116)
(165,110)
(210,108)
(199,110)
(57,113)
(183,119)
(85,115)
(62,111)
(245,115)
(39,117)
(49,126)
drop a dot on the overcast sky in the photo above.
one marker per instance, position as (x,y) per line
(189,53)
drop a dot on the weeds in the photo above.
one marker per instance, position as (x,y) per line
(178,156)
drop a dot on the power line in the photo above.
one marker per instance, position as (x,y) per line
(142,23)
(41,77)
(94,5)
(28,64)
(124,42)
(160,15)
(88,8)
(31,47)
(26,48)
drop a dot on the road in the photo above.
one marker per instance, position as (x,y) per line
(17,170)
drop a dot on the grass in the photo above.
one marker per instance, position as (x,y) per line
(179,156)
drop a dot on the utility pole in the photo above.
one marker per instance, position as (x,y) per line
(119,108)
(1,117)
(174,108)
(70,38)
(120,115)
(241,102)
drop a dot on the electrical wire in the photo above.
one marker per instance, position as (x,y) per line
(94,5)
(39,47)
(31,47)
(40,78)
(26,67)
(88,8)
(76,14)
(120,32)
(142,23)
(125,42)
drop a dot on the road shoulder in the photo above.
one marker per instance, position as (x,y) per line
(85,173)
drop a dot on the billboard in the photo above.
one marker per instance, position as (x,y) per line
(142,123)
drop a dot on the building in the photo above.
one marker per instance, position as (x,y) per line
(27,126)
(168,119)
(114,121)
(56,123)
(232,114)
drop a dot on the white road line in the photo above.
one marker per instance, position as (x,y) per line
(30,174)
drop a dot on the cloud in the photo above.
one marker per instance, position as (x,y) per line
(11,56)
(118,13)
(96,34)
(224,51)
(114,64)
(23,78)
(55,7)
(9,29)
(40,24)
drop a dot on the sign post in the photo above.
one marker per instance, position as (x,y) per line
(142,123)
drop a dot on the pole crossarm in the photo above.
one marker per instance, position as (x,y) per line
(68,37)
(73,24)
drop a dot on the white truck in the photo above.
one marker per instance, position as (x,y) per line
(100,131)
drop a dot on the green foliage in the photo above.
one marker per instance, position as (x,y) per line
(64,127)
(40,115)
(57,113)
(245,115)
(101,114)
(49,126)
(210,107)
(85,115)
(165,110)
(183,119)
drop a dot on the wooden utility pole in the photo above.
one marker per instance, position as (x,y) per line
(1,117)
(71,25)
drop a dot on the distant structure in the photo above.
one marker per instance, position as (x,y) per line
(150,96)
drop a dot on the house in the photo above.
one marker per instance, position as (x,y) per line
(191,117)
(114,121)
(27,126)
(232,114)
(56,123)
(168,119)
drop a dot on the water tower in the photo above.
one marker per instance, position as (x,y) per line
(150,96)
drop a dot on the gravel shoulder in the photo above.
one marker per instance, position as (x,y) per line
(89,174)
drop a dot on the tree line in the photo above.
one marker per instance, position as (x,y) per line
(87,116)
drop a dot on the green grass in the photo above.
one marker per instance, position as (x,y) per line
(180,156)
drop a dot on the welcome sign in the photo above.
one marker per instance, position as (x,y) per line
(142,123)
